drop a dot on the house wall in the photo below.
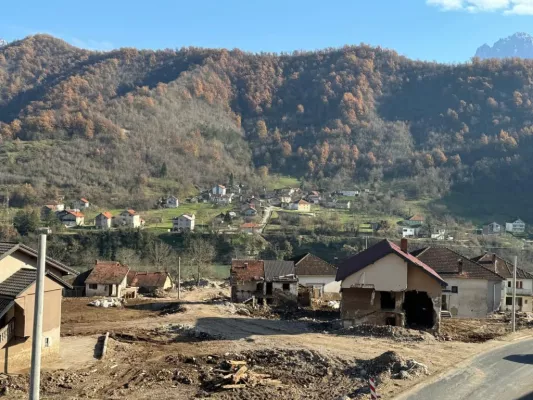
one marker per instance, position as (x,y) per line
(279,294)
(101,290)
(330,285)
(243,291)
(475,298)
(387,274)
(14,262)
(363,306)
(421,281)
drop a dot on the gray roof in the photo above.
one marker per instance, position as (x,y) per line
(5,305)
(278,268)
(23,279)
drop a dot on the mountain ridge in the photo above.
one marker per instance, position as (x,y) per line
(519,44)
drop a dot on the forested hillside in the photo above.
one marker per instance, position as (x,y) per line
(128,123)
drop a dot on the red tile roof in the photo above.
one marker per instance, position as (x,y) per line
(417,217)
(77,214)
(131,211)
(376,252)
(108,273)
(247,271)
(250,225)
(107,214)
(303,202)
(84,200)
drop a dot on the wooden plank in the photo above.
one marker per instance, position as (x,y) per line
(239,374)
(233,386)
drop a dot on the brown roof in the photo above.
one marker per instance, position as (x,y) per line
(303,202)
(377,252)
(447,263)
(77,214)
(108,273)
(416,217)
(501,266)
(84,200)
(147,279)
(247,270)
(250,225)
(107,214)
(309,264)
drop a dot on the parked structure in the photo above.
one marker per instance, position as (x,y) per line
(524,282)
(18,275)
(107,278)
(103,220)
(385,285)
(149,282)
(318,275)
(183,223)
(81,204)
(472,290)
(492,229)
(71,218)
(172,202)
(516,227)
(127,218)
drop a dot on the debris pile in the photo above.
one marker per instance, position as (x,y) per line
(390,364)
(247,310)
(396,333)
(106,303)
(236,374)
(173,308)
(187,331)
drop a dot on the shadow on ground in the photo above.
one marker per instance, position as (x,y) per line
(520,358)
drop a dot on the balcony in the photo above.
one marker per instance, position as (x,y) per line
(519,292)
(7,332)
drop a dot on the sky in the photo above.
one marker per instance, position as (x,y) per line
(434,30)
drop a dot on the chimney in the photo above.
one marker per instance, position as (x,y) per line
(460,266)
(494,259)
(403,245)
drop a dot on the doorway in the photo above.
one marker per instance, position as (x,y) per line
(418,309)
(269,288)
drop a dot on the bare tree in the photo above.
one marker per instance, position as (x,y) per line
(201,253)
(128,257)
(162,256)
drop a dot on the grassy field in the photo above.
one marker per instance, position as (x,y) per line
(281,181)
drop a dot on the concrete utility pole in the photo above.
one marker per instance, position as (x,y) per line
(35,374)
(179,277)
(514,294)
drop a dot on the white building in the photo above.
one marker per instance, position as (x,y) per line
(349,193)
(107,278)
(409,231)
(517,226)
(81,204)
(318,275)
(103,220)
(492,229)
(183,223)
(127,218)
(172,202)
(219,190)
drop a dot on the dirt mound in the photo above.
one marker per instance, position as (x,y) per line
(473,330)
(390,364)
(385,331)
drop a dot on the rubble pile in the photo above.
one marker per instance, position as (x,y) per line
(396,333)
(193,284)
(106,303)
(187,331)
(247,310)
(390,364)
(13,383)
(173,309)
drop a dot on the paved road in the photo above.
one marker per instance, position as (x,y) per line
(503,374)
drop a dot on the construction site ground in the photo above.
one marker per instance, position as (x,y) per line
(200,347)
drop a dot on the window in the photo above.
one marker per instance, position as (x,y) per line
(508,301)
(519,284)
(47,341)
(286,287)
(93,286)
(455,289)
(509,283)
(387,301)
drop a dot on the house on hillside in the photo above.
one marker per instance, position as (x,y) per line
(492,229)
(314,197)
(415,220)
(318,275)
(18,275)
(223,199)
(343,204)
(107,278)
(183,223)
(516,227)
(218,190)
(55,205)
(365,229)
(250,228)
(349,193)
(524,282)
(438,234)
(285,199)
(172,202)
(409,231)
(385,285)
(250,211)
(128,219)
(81,204)
(149,282)
(71,218)
(246,279)
(300,205)
(472,290)
(103,220)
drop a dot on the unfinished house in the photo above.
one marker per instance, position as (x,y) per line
(385,285)
(318,276)
(281,284)
(246,279)
(472,291)
(18,275)
(107,278)
(524,282)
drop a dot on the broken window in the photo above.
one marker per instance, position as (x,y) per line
(508,283)
(286,287)
(508,301)
(387,300)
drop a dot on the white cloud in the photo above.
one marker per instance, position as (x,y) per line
(507,7)
(91,44)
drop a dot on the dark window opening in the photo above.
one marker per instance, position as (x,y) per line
(508,283)
(445,303)
(93,286)
(387,301)
(519,285)
(455,289)
(508,301)
(259,287)
(269,288)
(418,309)
(286,287)
(390,321)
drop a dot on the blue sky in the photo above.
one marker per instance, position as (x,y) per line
(440,30)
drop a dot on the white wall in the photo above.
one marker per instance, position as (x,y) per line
(330,285)
(387,274)
(101,290)
(475,297)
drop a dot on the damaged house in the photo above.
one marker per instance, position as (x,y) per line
(318,275)
(385,285)
(472,290)
(272,281)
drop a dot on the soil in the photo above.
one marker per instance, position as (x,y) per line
(185,354)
